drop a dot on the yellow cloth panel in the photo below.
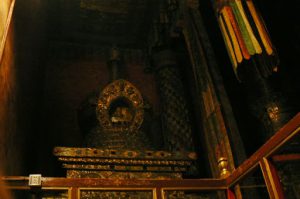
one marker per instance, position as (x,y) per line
(261,29)
(234,40)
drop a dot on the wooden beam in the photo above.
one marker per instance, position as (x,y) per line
(271,179)
(286,133)
(201,184)
(159,193)
(230,194)
(74,192)
(178,184)
(286,157)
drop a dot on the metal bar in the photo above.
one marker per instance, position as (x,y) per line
(271,179)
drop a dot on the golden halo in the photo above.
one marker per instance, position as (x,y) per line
(117,90)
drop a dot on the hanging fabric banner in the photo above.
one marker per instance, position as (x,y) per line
(245,35)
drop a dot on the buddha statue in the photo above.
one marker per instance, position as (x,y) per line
(118,130)
(117,113)
(121,116)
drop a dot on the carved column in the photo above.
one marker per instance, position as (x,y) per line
(175,115)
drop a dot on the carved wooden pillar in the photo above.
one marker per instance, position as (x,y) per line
(175,115)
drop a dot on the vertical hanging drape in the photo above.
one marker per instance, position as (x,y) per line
(245,35)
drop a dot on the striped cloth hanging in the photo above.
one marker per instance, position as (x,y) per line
(245,35)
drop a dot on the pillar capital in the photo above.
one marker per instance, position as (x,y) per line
(163,57)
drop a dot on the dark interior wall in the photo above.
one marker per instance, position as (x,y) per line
(40,93)
(282,21)
(31,43)
(8,116)
(19,86)
(69,80)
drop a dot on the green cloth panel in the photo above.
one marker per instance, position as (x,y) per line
(242,28)
(252,24)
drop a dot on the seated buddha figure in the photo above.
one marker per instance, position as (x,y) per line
(121,116)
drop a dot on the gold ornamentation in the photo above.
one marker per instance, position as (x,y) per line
(123,164)
(115,194)
(273,112)
(120,107)
(223,167)
(73,152)
(126,161)
(116,176)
